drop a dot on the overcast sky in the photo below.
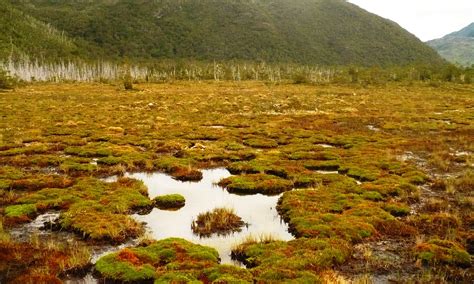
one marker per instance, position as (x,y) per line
(427,19)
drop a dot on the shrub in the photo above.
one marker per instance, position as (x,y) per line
(6,81)
(127,79)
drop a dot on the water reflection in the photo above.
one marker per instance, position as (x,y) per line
(257,210)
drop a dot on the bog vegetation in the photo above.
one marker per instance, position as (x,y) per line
(373,166)
(376,178)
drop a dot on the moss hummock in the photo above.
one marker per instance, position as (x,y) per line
(442,251)
(256,183)
(296,261)
(170,201)
(334,210)
(166,261)
(21,210)
(94,209)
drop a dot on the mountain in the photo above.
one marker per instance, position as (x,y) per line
(457,47)
(327,32)
(21,33)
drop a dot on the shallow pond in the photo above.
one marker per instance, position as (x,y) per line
(257,210)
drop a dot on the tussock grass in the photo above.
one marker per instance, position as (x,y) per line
(220,221)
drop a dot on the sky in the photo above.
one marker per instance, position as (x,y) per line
(427,19)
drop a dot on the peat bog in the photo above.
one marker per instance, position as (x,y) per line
(332,182)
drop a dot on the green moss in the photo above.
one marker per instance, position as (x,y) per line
(50,198)
(232,146)
(416,177)
(397,209)
(327,213)
(91,150)
(228,274)
(306,179)
(36,182)
(270,167)
(110,161)
(322,165)
(442,251)
(250,167)
(260,143)
(20,210)
(10,173)
(95,209)
(256,183)
(176,277)
(169,201)
(5,184)
(170,259)
(90,221)
(291,261)
(372,195)
(361,174)
(318,155)
(34,149)
(73,167)
(123,270)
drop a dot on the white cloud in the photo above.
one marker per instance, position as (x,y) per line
(427,19)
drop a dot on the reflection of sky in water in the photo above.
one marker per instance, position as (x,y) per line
(257,210)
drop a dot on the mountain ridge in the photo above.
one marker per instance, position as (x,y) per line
(323,32)
(457,47)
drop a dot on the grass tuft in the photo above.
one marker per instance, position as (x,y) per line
(221,221)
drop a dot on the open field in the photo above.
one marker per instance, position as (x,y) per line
(377,181)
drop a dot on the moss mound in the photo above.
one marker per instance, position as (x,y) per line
(170,201)
(256,183)
(165,261)
(334,210)
(94,209)
(297,261)
(442,251)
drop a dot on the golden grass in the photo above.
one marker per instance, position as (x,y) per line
(220,221)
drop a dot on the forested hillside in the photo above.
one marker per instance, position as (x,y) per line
(326,32)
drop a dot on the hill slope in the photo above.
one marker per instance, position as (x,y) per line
(22,34)
(457,47)
(302,31)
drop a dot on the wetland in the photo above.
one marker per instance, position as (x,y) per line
(321,183)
